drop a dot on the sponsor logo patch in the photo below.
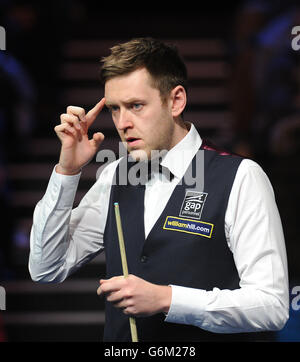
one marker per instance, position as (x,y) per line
(188,226)
(193,204)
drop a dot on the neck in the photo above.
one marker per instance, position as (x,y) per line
(181,129)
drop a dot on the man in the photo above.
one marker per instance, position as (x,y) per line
(205,263)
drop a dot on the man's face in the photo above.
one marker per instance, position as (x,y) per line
(143,122)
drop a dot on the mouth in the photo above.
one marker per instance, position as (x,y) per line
(132,141)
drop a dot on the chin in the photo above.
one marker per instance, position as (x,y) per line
(139,155)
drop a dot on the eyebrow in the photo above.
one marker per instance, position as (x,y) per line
(127,101)
(107,103)
(133,100)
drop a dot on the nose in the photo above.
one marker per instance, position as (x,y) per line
(124,120)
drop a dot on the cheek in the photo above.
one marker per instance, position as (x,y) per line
(156,127)
(160,136)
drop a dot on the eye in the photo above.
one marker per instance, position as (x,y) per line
(137,106)
(113,109)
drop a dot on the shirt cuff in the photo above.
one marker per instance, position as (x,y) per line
(62,189)
(187,305)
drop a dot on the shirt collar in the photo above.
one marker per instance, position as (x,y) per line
(180,156)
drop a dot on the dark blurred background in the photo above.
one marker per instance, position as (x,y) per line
(243,95)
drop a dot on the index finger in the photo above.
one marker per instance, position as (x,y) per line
(112,284)
(93,113)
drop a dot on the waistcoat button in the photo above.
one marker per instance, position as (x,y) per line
(144,258)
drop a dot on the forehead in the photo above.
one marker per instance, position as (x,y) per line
(134,84)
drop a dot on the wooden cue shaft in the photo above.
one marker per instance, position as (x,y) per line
(132,323)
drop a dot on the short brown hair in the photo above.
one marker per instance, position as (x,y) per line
(162,61)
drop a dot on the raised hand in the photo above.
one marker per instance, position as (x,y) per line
(77,150)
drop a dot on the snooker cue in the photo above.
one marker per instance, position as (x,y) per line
(132,323)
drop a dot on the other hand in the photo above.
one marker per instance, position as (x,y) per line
(136,296)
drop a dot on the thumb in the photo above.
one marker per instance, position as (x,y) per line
(99,291)
(97,139)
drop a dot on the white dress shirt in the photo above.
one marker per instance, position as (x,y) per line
(62,240)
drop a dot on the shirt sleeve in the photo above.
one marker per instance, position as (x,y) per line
(62,239)
(255,237)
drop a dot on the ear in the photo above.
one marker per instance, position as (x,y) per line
(178,100)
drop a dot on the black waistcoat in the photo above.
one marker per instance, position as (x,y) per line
(173,254)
